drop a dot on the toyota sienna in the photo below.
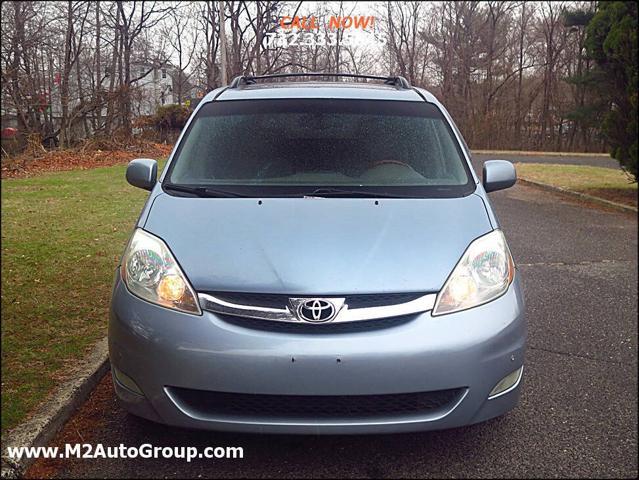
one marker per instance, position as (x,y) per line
(318,257)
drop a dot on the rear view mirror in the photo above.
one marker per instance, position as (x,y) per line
(498,174)
(142,173)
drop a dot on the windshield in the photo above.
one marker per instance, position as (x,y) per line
(301,146)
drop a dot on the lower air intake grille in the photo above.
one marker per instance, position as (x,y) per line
(313,406)
(303,327)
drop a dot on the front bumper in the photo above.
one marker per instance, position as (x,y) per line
(471,351)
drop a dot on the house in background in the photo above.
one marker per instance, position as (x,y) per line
(158,85)
(155,85)
(153,89)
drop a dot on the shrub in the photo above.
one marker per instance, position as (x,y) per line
(611,40)
(170,117)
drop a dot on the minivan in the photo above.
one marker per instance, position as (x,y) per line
(318,256)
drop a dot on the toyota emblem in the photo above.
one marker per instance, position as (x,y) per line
(316,310)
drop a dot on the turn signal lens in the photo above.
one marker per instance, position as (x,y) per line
(171,288)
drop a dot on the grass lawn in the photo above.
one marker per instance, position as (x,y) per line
(606,183)
(62,235)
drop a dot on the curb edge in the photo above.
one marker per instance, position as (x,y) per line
(40,428)
(533,153)
(582,196)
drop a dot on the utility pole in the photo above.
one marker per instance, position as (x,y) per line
(222,43)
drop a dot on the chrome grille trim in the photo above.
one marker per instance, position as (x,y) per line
(217,305)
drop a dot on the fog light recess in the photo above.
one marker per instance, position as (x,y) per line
(126,381)
(506,384)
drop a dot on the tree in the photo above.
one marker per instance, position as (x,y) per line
(71,57)
(208,24)
(513,74)
(404,39)
(133,21)
(582,80)
(611,40)
(223,45)
(183,41)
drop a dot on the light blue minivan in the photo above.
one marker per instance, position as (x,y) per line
(318,257)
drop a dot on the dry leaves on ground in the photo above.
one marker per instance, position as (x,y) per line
(81,158)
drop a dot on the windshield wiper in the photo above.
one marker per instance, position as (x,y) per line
(338,192)
(206,192)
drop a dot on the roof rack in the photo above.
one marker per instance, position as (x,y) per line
(250,80)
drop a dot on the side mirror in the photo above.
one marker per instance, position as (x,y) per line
(498,174)
(142,173)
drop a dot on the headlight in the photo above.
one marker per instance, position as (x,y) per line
(150,272)
(484,272)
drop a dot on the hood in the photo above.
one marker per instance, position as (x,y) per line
(317,246)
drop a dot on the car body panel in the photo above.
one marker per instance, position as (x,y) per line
(317,246)
(473,349)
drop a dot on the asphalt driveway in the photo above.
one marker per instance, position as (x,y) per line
(578,411)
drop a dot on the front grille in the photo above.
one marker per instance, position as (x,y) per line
(264,300)
(281,301)
(314,406)
(303,327)
(380,299)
